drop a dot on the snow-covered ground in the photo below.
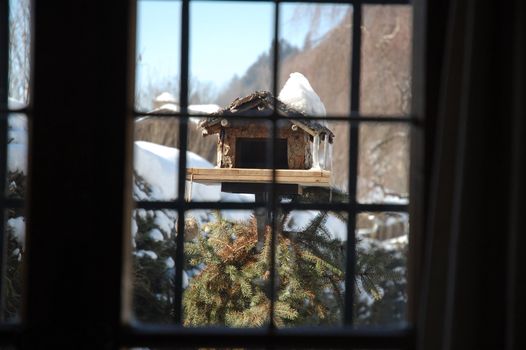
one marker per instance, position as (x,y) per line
(159,166)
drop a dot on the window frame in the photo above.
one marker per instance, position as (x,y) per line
(5,111)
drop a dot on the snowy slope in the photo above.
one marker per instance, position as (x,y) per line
(159,166)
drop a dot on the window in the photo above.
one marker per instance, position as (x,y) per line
(175,200)
(15,43)
(364,193)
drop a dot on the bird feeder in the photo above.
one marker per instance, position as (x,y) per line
(301,149)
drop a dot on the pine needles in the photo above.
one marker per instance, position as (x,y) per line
(232,289)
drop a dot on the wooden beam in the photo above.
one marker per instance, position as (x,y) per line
(240,175)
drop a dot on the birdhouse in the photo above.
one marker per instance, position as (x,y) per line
(301,150)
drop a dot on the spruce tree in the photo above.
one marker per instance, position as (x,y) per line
(381,283)
(153,270)
(153,267)
(229,278)
(233,287)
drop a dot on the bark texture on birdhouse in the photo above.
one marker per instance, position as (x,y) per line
(244,143)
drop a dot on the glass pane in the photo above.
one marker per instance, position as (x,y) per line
(158,52)
(382,243)
(340,156)
(153,241)
(319,149)
(15,230)
(230,50)
(227,264)
(156,158)
(315,41)
(16,156)
(383,169)
(229,158)
(311,268)
(386,59)
(19,53)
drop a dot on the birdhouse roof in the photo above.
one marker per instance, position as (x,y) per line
(262,103)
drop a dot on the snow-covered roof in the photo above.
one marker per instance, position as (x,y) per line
(262,103)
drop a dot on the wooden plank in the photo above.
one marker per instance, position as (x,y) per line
(283,176)
(198,178)
(292,179)
(256,172)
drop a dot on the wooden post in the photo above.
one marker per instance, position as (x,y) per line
(261,221)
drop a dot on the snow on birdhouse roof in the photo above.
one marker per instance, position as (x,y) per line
(262,103)
(299,94)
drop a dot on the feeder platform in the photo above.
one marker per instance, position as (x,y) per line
(320,178)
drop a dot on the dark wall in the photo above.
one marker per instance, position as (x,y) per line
(79,172)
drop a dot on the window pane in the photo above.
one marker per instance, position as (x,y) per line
(340,156)
(222,147)
(15,231)
(310,263)
(383,170)
(386,60)
(315,41)
(227,264)
(19,53)
(158,51)
(326,157)
(16,156)
(382,243)
(230,50)
(156,158)
(153,240)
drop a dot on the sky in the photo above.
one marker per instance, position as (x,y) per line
(225,37)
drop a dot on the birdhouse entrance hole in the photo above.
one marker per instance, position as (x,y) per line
(253,153)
